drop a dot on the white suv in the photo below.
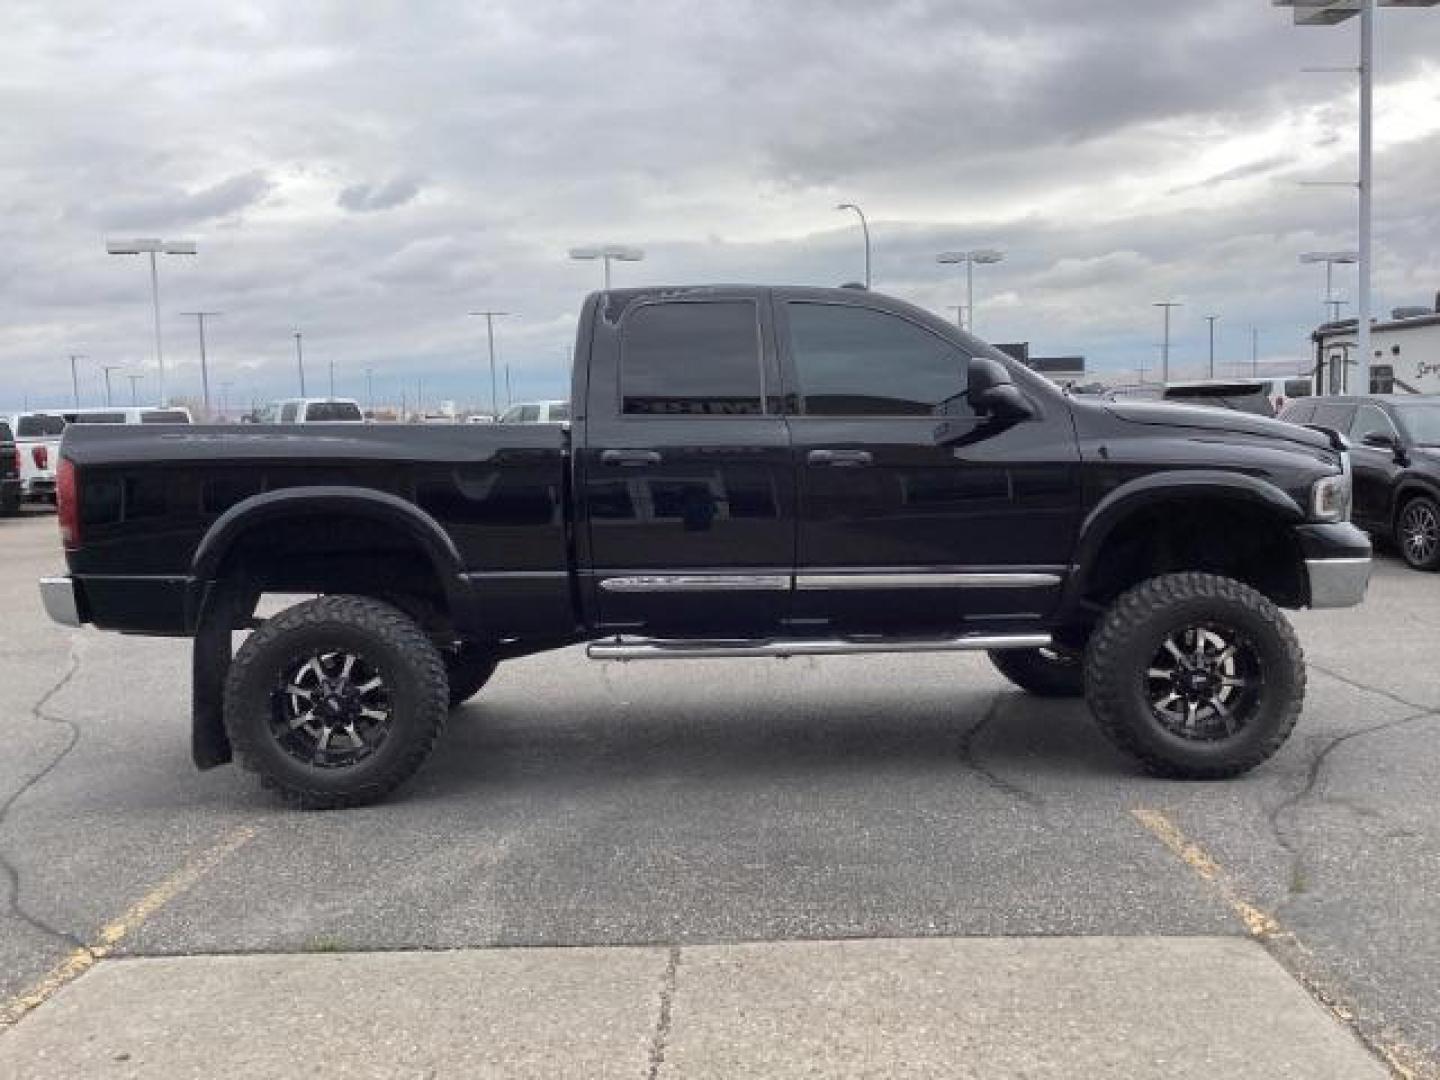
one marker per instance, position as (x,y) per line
(314,411)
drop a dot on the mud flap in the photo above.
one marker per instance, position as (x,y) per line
(210,663)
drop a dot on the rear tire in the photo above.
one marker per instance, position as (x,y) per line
(336,702)
(1195,676)
(469,668)
(1042,672)
(1417,532)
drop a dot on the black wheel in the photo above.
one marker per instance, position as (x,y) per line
(1196,676)
(336,701)
(469,668)
(1042,672)
(1417,531)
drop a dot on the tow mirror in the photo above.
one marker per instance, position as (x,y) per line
(991,392)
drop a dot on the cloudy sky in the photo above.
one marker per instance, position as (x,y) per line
(369,172)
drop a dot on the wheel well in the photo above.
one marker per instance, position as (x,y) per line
(1404,495)
(341,553)
(1229,537)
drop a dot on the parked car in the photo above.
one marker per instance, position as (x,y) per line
(758,473)
(1242,395)
(1285,390)
(37,437)
(128,414)
(1396,453)
(536,412)
(9,471)
(313,411)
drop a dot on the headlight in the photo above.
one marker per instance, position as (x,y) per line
(1330,498)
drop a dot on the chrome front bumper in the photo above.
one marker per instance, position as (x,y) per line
(1336,583)
(58,596)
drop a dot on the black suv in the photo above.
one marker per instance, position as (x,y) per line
(1396,458)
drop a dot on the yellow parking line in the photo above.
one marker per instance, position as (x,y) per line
(112,933)
(1405,1061)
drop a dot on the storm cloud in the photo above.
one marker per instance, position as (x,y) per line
(371,173)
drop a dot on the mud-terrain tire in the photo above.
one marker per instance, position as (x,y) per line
(1042,672)
(1172,647)
(468,667)
(370,682)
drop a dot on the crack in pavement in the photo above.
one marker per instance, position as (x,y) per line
(661,1037)
(14,906)
(968,756)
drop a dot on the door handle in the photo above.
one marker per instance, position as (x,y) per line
(841,459)
(629,457)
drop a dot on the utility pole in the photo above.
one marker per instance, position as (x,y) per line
(332,378)
(1211,320)
(300,362)
(134,381)
(490,317)
(153,248)
(1165,348)
(509,399)
(75,376)
(370,390)
(107,368)
(200,317)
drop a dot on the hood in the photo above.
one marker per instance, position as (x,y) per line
(1164,414)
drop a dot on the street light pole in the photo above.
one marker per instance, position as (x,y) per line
(509,398)
(608,253)
(300,362)
(864,228)
(75,377)
(107,368)
(1166,305)
(200,317)
(153,247)
(370,390)
(134,381)
(332,377)
(490,317)
(983,256)
(1330,259)
(1211,320)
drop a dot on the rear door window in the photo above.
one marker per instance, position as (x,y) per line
(333,412)
(288,411)
(1299,414)
(1298,388)
(40,425)
(1370,420)
(692,358)
(99,418)
(1335,415)
(164,416)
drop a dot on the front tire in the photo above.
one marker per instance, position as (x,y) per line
(1195,676)
(336,702)
(1042,672)
(1417,532)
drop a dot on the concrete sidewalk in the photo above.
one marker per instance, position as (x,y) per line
(991,1008)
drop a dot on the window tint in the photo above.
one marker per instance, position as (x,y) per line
(1333,415)
(559,412)
(332,411)
(854,361)
(38,425)
(1298,388)
(691,359)
(287,412)
(529,414)
(1370,420)
(1300,414)
(99,418)
(164,416)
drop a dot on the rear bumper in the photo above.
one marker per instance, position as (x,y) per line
(1337,562)
(61,602)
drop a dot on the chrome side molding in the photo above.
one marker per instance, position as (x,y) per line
(697,583)
(621,648)
(999,580)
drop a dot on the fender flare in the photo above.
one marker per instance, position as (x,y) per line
(324,501)
(1171,486)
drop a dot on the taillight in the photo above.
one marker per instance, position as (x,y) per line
(41,456)
(67,504)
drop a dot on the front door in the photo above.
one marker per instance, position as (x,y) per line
(1375,468)
(685,471)
(915,513)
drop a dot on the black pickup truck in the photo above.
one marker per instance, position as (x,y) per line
(749,472)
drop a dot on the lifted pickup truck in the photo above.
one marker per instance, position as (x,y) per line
(750,472)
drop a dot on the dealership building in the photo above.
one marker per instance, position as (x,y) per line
(1406,356)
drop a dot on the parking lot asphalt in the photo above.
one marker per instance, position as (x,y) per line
(688,803)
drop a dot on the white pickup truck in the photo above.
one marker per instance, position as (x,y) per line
(37,441)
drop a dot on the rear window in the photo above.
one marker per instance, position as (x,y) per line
(559,412)
(164,416)
(1334,415)
(5,433)
(691,359)
(1298,388)
(39,425)
(1241,397)
(332,411)
(99,418)
(1299,414)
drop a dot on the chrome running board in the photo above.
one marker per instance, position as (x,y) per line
(623,648)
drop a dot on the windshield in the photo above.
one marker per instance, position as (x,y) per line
(1420,422)
(37,425)
(1241,397)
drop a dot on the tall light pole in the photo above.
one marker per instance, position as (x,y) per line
(509,398)
(75,376)
(370,390)
(153,247)
(107,368)
(983,256)
(134,381)
(490,317)
(1330,259)
(1166,305)
(300,361)
(1211,319)
(608,253)
(864,228)
(200,317)
(332,378)
(1328,13)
